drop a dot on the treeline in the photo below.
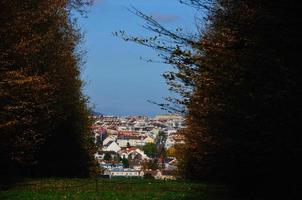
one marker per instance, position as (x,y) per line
(239,78)
(44,118)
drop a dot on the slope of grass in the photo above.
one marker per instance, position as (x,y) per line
(114,189)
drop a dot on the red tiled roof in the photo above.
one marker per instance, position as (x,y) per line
(126,150)
(127,133)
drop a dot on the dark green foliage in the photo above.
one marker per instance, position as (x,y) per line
(150,150)
(117,158)
(125,162)
(107,156)
(148,176)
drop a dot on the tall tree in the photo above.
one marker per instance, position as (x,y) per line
(40,87)
(239,80)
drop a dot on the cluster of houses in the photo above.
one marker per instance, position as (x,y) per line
(121,142)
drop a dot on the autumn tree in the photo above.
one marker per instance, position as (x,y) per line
(43,111)
(171,151)
(239,82)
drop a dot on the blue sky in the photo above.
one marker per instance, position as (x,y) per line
(118,82)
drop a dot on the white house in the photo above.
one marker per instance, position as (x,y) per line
(109,139)
(174,139)
(111,146)
(98,156)
(142,153)
(132,153)
(126,172)
(132,141)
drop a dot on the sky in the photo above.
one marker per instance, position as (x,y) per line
(118,82)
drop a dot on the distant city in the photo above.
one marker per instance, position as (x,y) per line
(138,146)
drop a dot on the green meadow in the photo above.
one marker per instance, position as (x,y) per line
(111,189)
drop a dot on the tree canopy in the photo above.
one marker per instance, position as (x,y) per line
(150,150)
(44,125)
(240,87)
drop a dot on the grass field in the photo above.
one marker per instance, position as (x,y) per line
(111,189)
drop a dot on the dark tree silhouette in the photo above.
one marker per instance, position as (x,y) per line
(239,80)
(44,125)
